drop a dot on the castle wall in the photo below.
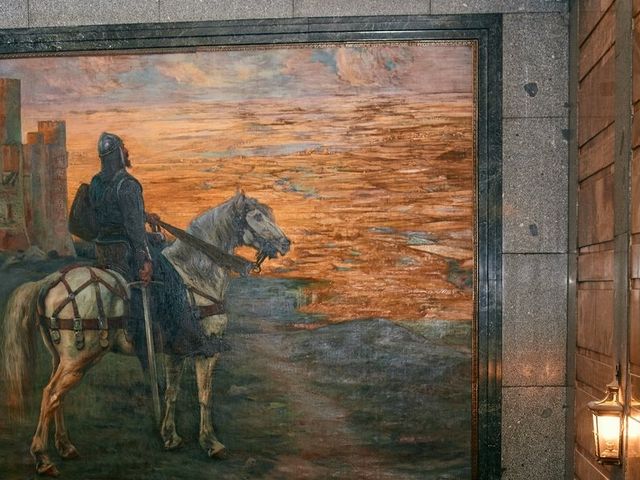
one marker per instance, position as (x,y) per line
(55,157)
(33,191)
(13,234)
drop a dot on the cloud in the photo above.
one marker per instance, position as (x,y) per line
(420,68)
(109,82)
(188,73)
(440,68)
(426,68)
(371,67)
(219,75)
(100,65)
(68,79)
(311,72)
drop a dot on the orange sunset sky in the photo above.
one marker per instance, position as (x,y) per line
(365,153)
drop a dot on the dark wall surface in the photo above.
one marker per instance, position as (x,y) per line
(535,165)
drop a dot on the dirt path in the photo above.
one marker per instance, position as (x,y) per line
(327,446)
(359,400)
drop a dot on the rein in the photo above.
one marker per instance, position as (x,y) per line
(222,258)
(261,257)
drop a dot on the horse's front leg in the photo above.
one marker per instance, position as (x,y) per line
(205,367)
(173,366)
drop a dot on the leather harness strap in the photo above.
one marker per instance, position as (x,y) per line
(77,323)
(88,323)
(209,310)
(104,323)
(118,290)
(216,308)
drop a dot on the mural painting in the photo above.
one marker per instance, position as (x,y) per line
(347,171)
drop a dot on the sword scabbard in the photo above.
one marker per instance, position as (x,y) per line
(151,354)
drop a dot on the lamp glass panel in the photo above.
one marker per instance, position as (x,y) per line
(608,429)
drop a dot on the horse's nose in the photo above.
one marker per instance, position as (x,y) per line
(286,244)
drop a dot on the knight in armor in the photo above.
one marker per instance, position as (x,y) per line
(123,244)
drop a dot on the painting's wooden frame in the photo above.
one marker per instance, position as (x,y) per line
(484,30)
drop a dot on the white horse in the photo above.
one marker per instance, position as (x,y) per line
(97,300)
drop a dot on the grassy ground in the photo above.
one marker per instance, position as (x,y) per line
(367,399)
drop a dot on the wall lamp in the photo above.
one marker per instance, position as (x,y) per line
(608,424)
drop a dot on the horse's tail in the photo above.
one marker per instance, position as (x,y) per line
(18,349)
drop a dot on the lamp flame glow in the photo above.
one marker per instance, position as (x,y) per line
(608,424)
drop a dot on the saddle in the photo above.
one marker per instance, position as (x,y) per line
(78,324)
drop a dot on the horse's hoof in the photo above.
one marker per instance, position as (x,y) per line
(47,469)
(68,452)
(218,452)
(173,443)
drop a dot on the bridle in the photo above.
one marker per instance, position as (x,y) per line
(261,256)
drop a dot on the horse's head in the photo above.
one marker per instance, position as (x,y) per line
(258,228)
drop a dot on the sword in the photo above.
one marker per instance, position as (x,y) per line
(151,354)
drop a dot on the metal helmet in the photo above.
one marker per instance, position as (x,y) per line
(108,143)
(110,151)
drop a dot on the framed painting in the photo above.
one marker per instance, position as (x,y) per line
(316,292)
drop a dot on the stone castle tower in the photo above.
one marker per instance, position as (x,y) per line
(33,187)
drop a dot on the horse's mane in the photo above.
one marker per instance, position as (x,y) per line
(220,227)
(217,225)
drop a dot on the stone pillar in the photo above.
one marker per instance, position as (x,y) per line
(35,188)
(55,151)
(10,122)
(13,234)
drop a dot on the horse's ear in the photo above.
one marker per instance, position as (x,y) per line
(239,198)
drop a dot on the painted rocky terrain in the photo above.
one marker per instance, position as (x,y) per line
(370,399)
